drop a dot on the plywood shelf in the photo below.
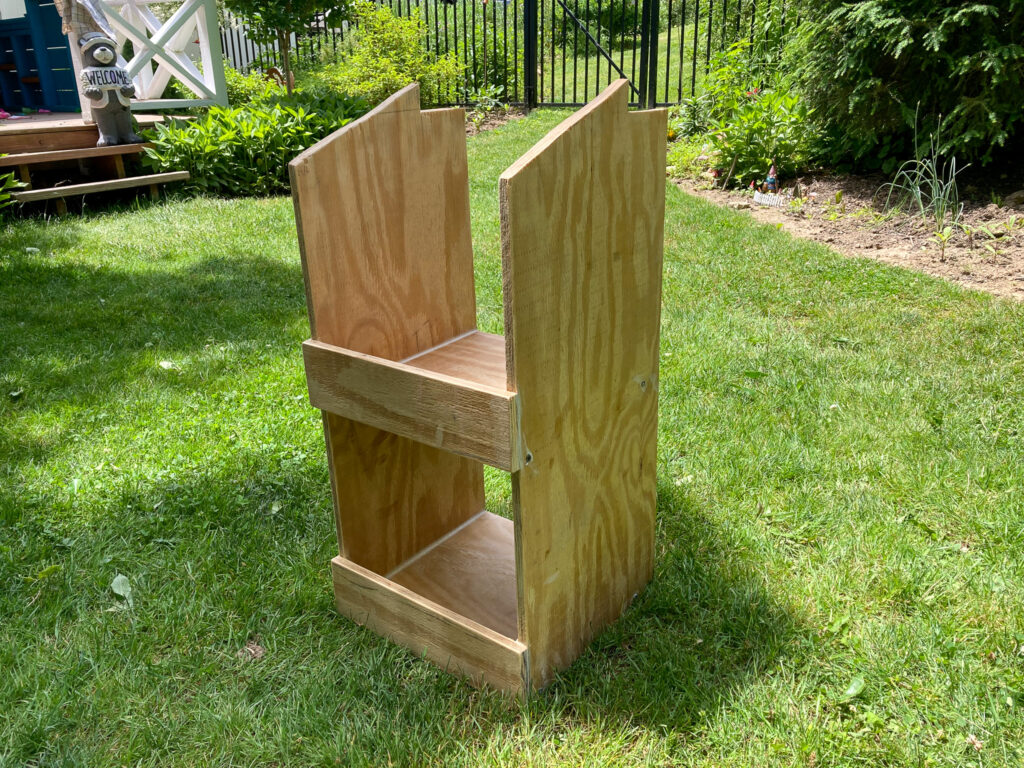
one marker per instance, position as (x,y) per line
(476,356)
(471,571)
(450,398)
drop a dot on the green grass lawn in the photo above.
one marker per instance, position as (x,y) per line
(839,576)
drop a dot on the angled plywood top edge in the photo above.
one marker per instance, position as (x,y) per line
(616,95)
(405,100)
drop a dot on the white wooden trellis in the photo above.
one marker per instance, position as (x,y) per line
(164,49)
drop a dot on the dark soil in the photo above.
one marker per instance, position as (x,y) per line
(476,123)
(846,212)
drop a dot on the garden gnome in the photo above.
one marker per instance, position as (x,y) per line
(109,88)
(771,183)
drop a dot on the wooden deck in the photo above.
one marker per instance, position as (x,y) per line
(53,132)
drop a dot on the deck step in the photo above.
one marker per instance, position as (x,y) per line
(99,186)
(30,158)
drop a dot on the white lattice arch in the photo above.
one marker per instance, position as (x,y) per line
(165,49)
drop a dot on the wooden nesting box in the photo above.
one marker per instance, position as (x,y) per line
(415,399)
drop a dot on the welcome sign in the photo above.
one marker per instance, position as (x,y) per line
(106,77)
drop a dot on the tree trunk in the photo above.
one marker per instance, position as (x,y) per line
(284,40)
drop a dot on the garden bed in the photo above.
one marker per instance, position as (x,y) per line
(844,212)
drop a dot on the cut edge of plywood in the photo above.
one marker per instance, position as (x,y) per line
(449,640)
(617,91)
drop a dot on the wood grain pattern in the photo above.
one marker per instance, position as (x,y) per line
(477,356)
(382,207)
(382,212)
(456,415)
(55,131)
(33,158)
(395,496)
(471,572)
(582,227)
(71,190)
(446,638)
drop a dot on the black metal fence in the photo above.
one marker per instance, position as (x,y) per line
(559,52)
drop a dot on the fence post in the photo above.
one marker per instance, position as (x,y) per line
(645,58)
(654,17)
(530,53)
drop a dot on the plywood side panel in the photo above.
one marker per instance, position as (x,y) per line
(449,640)
(395,496)
(382,207)
(582,228)
(382,211)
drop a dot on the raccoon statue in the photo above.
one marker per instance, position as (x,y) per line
(109,89)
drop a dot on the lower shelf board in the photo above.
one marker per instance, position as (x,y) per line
(450,640)
(471,571)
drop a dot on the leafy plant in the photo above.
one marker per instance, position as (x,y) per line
(750,118)
(864,66)
(689,156)
(387,55)
(762,128)
(926,186)
(734,72)
(942,238)
(251,88)
(245,151)
(484,101)
(8,183)
(276,20)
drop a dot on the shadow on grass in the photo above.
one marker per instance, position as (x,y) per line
(76,334)
(237,552)
(705,628)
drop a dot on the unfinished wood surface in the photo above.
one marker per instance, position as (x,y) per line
(55,131)
(382,211)
(382,208)
(456,415)
(477,356)
(472,572)
(582,226)
(32,158)
(71,190)
(451,641)
(396,496)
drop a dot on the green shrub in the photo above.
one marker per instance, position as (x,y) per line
(867,68)
(8,183)
(762,127)
(748,119)
(246,150)
(251,88)
(387,55)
